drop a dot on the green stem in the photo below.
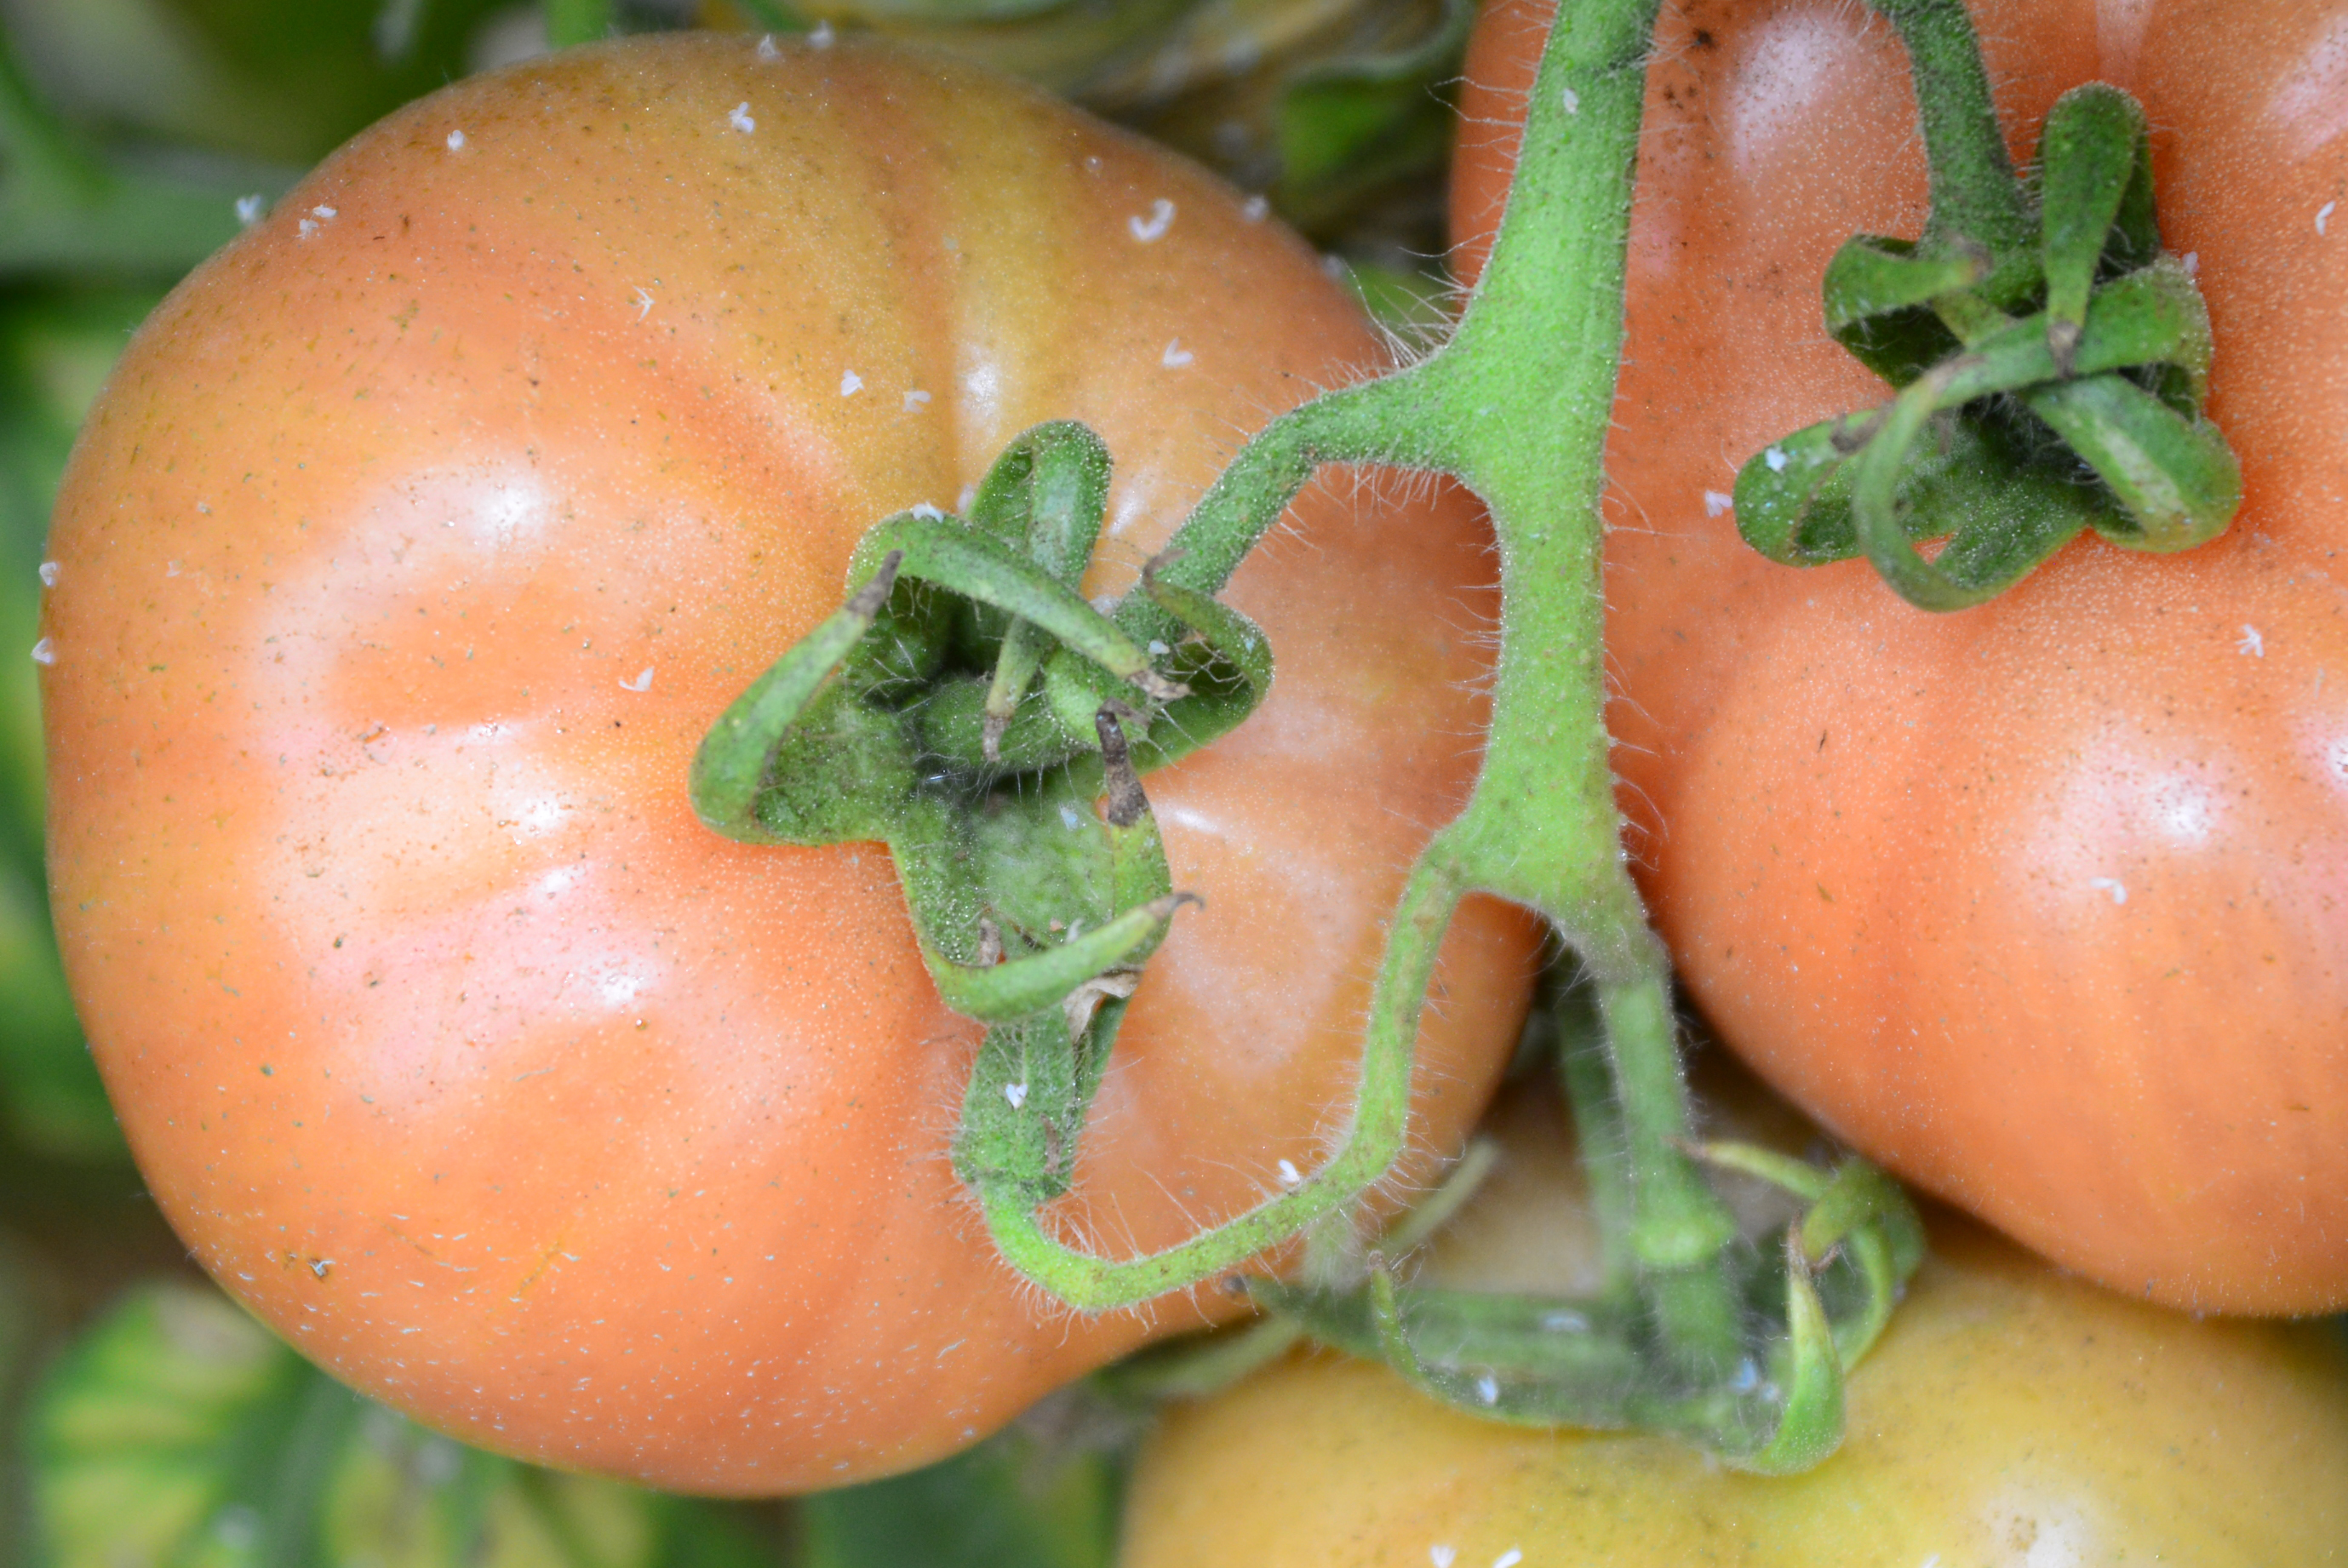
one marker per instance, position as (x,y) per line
(1974,194)
(1528,385)
(1381,421)
(1371,1145)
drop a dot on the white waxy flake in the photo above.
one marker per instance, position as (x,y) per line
(644,302)
(924,510)
(249,208)
(1717,501)
(1256,208)
(821,36)
(1776,460)
(767,50)
(456,141)
(1442,1556)
(1488,1388)
(48,573)
(1175,356)
(850,384)
(1508,1559)
(1016,1093)
(44,652)
(740,118)
(643,681)
(307,227)
(2251,643)
(325,214)
(915,400)
(1153,227)
(2111,885)
(1571,100)
(1288,1174)
(2324,217)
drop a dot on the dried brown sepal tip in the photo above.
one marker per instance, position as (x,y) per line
(1126,803)
(867,601)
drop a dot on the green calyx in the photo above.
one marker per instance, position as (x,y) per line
(971,710)
(2051,362)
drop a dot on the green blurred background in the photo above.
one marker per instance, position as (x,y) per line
(144,1419)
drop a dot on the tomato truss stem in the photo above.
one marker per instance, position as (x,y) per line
(1517,405)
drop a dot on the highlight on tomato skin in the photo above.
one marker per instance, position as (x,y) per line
(414,544)
(2037,902)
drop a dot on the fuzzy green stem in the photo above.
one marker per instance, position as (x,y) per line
(1527,383)
(1381,1111)
(1380,421)
(1974,194)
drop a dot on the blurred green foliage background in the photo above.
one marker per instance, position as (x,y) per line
(144,1419)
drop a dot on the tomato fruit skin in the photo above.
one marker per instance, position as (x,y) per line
(415,544)
(2009,1416)
(2045,904)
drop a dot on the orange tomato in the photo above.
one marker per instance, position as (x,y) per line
(417,541)
(2045,903)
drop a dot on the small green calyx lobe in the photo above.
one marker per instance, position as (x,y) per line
(2050,362)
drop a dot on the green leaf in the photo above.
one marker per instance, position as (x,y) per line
(1009,1502)
(180,1433)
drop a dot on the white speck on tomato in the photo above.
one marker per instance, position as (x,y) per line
(914,400)
(1717,501)
(249,208)
(644,303)
(767,50)
(1288,1174)
(922,509)
(48,573)
(2252,643)
(307,227)
(850,384)
(1175,356)
(2111,885)
(456,141)
(1508,1559)
(44,652)
(820,37)
(2324,217)
(740,118)
(1153,227)
(1441,1556)
(1256,208)
(643,682)
(325,214)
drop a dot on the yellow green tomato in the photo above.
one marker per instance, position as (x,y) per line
(2010,1418)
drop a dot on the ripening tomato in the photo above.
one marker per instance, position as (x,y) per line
(415,544)
(2043,904)
(2009,1416)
